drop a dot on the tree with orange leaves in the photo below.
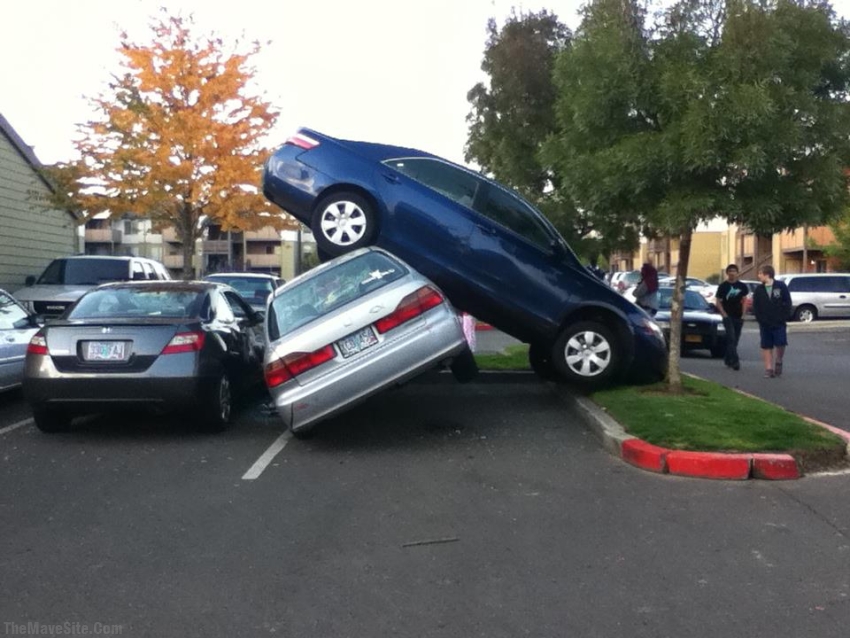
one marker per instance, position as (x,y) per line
(178,139)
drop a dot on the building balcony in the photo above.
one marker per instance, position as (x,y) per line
(103,236)
(264,234)
(216,247)
(262,260)
(173,261)
(797,239)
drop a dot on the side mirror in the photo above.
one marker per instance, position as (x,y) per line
(29,281)
(259,317)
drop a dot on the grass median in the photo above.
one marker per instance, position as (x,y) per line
(708,417)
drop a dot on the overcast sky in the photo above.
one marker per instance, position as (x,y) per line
(392,71)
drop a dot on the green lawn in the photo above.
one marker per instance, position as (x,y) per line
(514,358)
(714,419)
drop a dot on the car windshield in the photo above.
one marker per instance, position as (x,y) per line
(330,289)
(253,289)
(138,302)
(11,314)
(85,272)
(693,300)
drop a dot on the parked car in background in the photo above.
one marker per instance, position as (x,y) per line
(67,278)
(17,327)
(818,295)
(255,288)
(353,327)
(623,280)
(701,286)
(702,325)
(494,255)
(168,345)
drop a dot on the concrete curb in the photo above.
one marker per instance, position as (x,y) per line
(711,465)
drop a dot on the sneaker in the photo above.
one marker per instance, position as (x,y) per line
(778,368)
(768,374)
(736,366)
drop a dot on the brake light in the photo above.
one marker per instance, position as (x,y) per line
(303,141)
(185,342)
(37,345)
(409,308)
(292,365)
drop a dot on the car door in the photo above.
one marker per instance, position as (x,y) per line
(834,295)
(521,267)
(16,330)
(430,202)
(250,333)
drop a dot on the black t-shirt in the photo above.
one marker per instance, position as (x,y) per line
(732,297)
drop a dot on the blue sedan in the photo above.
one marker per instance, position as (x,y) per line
(493,254)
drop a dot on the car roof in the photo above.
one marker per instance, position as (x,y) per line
(812,274)
(245,275)
(185,286)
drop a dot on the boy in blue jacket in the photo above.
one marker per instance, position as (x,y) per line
(772,307)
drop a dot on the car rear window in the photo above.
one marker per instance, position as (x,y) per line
(330,289)
(85,272)
(138,302)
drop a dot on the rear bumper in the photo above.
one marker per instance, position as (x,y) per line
(396,361)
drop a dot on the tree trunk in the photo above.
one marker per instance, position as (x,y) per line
(188,233)
(674,374)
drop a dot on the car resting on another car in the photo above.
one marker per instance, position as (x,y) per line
(187,346)
(354,326)
(493,254)
(702,325)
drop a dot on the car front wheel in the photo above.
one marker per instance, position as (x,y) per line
(343,222)
(587,354)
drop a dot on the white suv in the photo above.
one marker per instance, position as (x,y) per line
(66,279)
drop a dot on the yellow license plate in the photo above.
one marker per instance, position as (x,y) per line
(693,338)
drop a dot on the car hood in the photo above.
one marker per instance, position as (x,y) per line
(51,293)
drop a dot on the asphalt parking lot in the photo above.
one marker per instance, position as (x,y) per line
(434,510)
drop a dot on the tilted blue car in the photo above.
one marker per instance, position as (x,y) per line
(493,254)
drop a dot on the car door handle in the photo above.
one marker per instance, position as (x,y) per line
(391,178)
(487,230)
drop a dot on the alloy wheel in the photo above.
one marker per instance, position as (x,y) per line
(343,223)
(588,353)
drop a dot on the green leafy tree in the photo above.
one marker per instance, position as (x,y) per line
(840,249)
(732,109)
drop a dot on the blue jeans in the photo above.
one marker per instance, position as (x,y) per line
(733,325)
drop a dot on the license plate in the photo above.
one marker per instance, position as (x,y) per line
(105,350)
(693,338)
(354,343)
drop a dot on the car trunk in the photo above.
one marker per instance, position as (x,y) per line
(109,346)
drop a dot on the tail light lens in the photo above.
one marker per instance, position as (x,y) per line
(296,363)
(185,342)
(303,141)
(409,308)
(37,345)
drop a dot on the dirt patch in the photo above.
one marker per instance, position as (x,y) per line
(822,460)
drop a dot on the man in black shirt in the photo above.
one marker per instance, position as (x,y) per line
(729,300)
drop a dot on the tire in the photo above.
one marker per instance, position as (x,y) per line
(343,222)
(51,421)
(217,409)
(805,314)
(587,354)
(540,360)
(464,367)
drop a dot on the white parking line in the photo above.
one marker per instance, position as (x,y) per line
(17,425)
(268,456)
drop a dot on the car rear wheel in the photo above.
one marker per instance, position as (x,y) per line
(51,421)
(587,354)
(540,360)
(464,367)
(806,314)
(218,406)
(343,222)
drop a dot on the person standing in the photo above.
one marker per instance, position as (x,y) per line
(646,293)
(772,307)
(729,300)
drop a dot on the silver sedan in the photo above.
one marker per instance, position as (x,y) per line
(17,327)
(352,327)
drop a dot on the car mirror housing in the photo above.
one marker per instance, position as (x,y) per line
(29,281)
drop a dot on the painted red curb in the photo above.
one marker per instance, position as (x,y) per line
(775,467)
(844,434)
(645,455)
(709,465)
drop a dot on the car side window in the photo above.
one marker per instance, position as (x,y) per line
(136,271)
(237,305)
(444,178)
(836,284)
(149,272)
(223,311)
(11,313)
(507,210)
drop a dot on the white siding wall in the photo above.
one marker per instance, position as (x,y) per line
(30,236)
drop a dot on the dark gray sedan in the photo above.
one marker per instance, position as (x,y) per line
(162,345)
